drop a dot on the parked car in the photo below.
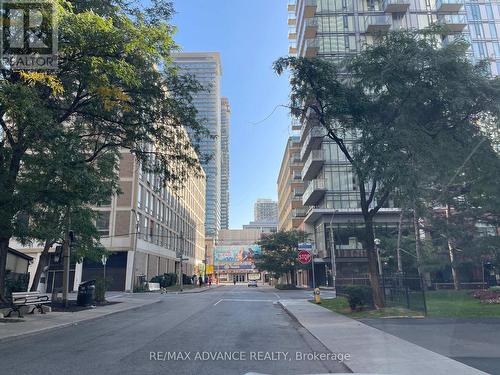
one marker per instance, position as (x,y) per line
(252,283)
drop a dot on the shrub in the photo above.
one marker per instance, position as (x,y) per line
(359,296)
(487,296)
(285,286)
(165,280)
(16,282)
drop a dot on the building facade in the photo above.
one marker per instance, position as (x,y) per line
(145,228)
(225,129)
(483,19)
(291,211)
(206,68)
(265,210)
(233,256)
(334,30)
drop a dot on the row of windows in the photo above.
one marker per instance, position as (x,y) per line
(154,232)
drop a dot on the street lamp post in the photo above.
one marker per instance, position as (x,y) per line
(333,256)
(379,259)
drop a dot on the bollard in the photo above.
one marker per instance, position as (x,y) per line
(317,296)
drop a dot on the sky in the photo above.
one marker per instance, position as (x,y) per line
(249,35)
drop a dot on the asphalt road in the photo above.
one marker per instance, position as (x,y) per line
(230,330)
(475,342)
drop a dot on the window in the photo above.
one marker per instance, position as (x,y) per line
(493,31)
(139,196)
(489,12)
(102,223)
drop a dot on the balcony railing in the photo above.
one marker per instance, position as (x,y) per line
(291,5)
(314,192)
(380,23)
(395,6)
(310,28)
(453,22)
(313,164)
(311,47)
(449,5)
(312,140)
(299,212)
(310,7)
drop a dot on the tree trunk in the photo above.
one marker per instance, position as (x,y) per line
(418,244)
(455,272)
(292,277)
(378,298)
(44,260)
(9,210)
(4,245)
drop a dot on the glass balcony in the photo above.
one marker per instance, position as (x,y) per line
(376,24)
(314,192)
(313,165)
(309,7)
(311,141)
(292,35)
(299,212)
(311,28)
(453,22)
(291,5)
(449,6)
(311,47)
(395,6)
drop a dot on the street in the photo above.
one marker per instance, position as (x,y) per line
(243,322)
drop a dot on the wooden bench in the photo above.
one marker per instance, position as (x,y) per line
(35,299)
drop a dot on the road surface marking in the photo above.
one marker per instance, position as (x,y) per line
(277,296)
(216,303)
(243,300)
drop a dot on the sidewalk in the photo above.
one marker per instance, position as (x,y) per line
(371,350)
(38,323)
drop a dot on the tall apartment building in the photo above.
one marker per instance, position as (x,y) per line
(265,210)
(225,128)
(291,211)
(207,69)
(335,29)
(483,18)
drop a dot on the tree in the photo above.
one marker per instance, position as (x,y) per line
(57,193)
(279,253)
(400,105)
(115,88)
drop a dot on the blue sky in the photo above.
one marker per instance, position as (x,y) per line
(250,35)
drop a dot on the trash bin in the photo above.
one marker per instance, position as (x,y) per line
(86,293)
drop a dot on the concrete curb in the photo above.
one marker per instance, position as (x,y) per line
(69,324)
(295,319)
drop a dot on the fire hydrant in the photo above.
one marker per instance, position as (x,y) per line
(317,296)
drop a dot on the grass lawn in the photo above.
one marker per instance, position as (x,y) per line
(441,303)
(458,304)
(340,305)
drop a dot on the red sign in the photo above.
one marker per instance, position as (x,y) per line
(304,257)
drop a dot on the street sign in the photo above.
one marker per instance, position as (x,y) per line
(307,246)
(104,260)
(304,257)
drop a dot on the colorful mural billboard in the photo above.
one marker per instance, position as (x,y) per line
(238,257)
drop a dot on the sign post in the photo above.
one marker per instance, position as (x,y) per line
(307,247)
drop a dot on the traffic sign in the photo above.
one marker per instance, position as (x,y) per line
(304,257)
